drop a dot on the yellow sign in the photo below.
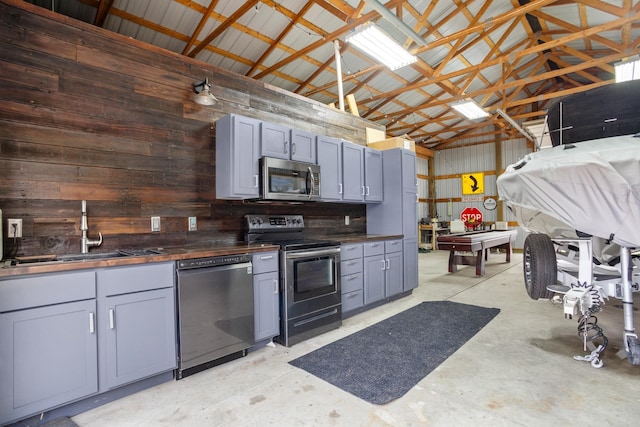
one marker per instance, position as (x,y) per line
(473,183)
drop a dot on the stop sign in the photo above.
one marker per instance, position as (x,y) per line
(471,216)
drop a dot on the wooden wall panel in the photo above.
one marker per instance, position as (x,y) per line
(88,114)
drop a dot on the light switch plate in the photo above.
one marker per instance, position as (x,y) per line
(155,223)
(193,223)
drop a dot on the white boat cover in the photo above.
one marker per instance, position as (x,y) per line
(591,186)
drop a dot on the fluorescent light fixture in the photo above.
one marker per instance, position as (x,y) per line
(378,45)
(628,70)
(469,109)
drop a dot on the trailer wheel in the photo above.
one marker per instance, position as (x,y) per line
(539,264)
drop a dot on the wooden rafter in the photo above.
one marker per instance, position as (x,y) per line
(104,7)
(545,63)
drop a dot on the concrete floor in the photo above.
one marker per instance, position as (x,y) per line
(518,371)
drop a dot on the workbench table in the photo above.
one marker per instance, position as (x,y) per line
(478,242)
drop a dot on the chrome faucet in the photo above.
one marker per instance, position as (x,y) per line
(86,243)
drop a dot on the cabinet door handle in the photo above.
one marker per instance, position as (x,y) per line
(351,262)
(354,277)
(255,181)
(286,147)
(293,148)
(383,264)
(92,323)
(275,287)
(265,257)
(362,190)
(111,319)
(340,188)
(368,193)
(387,264)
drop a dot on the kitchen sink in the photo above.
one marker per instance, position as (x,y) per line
(89,256)
(119,253)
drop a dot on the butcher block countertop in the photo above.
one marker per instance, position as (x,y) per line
(365,238)
(167,254)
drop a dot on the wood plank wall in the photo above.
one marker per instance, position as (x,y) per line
(88,114)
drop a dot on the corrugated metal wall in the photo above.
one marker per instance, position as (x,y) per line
(451,163)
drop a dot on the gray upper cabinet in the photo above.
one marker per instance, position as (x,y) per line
(373,175)
(398,213)
(285,143)
(136,306)
(329,152)
(303,146)
(349,172)
(49,342)
(237,157)
(275,141)
(352,172)
(410,195)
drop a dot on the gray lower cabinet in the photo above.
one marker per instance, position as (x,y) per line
(393,267)
(374,272)
(351,277)
(410,264)
(266,295)
(137,332)
(383,270)
(68,336)
(48,336)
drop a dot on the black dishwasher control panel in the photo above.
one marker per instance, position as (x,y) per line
(212,261)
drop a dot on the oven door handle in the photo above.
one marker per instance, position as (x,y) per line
(311,253)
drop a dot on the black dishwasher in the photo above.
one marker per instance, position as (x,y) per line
(215,311)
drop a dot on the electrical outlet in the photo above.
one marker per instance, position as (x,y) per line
(193,223)
(346,220)
(155,223)
(14,228)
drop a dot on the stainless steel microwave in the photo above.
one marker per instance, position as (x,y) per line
(289,180)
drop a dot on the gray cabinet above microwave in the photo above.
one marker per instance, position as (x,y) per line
(282,142)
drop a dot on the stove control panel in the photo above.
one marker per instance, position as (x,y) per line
(257,223)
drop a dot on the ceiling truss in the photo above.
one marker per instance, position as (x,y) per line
(513,55)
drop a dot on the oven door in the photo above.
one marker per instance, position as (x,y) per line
(311,279)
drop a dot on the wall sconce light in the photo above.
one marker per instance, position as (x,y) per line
(469,109)
(204,95)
